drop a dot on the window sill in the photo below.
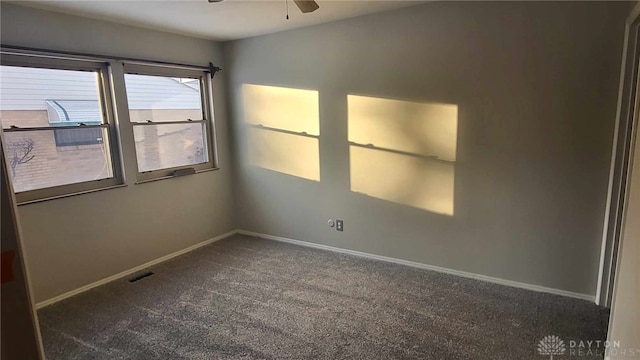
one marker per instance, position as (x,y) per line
(173,177)
(70,194)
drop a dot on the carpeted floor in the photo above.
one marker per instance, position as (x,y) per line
(249,298)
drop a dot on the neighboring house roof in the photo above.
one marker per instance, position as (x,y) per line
(23,88)
(192,83)
(61,112)
(156,92)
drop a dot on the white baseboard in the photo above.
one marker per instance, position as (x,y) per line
(465,274)
(317,246)
(132,270)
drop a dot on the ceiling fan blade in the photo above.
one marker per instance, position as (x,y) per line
(306,6)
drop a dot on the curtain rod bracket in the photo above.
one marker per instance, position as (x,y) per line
(213,69)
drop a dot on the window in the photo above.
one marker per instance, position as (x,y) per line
(170,111)
(57,123)
(59,132)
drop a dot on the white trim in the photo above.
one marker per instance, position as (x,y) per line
(465,274)
(317,246)
(612,171)
(132,270)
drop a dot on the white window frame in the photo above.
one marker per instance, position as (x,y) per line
(206,95)
(105,97)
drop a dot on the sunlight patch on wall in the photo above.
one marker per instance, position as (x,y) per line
(286,153)
(282,108)
(403,152)
(283,129)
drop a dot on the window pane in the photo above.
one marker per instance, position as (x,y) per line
(160,98)
(169,145)
(36,160)
(34,97)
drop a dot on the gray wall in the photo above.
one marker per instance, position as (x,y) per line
(535,85)
(75,241)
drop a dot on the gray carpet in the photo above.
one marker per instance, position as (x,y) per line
(249,298)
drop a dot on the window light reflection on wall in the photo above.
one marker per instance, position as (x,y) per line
(283,129)
(403,152)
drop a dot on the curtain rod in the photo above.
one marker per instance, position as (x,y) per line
(103,58)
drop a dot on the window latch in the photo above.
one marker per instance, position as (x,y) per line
(82,124)
(149,121)
(14,127)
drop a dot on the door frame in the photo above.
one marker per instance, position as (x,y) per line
(25,338)
(626,120)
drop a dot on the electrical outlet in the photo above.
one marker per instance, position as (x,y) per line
(339,225)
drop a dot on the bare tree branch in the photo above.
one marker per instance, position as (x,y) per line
(20,152)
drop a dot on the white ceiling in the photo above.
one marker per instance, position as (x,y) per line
(227,20)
